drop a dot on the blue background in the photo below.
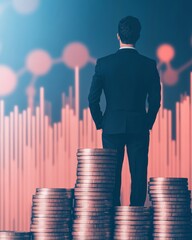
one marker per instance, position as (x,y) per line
(56,23)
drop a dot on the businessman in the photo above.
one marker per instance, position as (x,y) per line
(129,81)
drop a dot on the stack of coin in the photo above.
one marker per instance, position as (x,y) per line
(11,235)
(93,194)
(132,222)
(52,213)
(171,205)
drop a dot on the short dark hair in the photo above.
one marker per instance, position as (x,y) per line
(129,29)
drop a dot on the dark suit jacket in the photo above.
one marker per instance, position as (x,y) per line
(127,79)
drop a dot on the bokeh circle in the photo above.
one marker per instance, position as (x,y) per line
(165,53)
(39,62)
(75,54)
(25,6)
(8,80)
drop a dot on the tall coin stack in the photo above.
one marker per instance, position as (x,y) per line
(93,194)
(132,222)
(52,213)
(171,203)
(11,235)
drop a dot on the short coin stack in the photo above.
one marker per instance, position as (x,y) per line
(171,203)
(93,205)
(132,222)
(52,213)
(11,235)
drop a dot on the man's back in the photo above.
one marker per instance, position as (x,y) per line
(126,77)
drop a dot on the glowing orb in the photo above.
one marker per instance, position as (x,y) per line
(75,54)
(25,6)
(39,62)
(8,80)
(165,53)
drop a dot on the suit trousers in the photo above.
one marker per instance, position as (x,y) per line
(137,145)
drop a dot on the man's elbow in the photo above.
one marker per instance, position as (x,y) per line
(90,99)
(157,107)
(154,107)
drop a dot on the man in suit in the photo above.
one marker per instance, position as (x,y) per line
(128,80)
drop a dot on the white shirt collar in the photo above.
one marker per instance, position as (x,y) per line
(126,47)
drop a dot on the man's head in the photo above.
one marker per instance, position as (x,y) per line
(129,30)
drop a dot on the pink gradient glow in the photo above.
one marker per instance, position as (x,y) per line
(75,55)
(25,6)
(39,62)
(165,53)
(30,91)
(8,80)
